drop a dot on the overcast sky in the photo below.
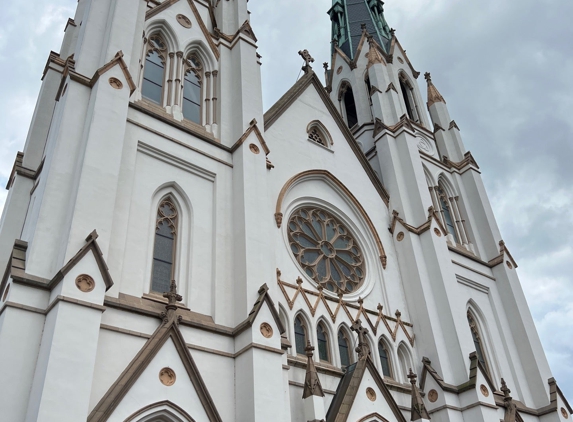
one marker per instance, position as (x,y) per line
(505,68)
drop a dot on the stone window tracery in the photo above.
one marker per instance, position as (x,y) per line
(314,135)
(476,337)
(192,89)
(164,246)
(154,69)
(326,250)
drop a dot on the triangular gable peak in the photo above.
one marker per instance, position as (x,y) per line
(361,394)
(283,104)
(393,45)
(168,330)
(264,298)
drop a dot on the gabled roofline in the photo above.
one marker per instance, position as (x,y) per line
(348,389)
(263,297)
(283,104)
(170,330)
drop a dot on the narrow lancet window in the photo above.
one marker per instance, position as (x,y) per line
(477,340)
(192,90)
(154,70)
(343,349)
(299,335)
(384,359)
(446,213)
(322,338)
(409,100)
(164,246)
(350,106)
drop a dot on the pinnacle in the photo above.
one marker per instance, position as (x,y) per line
(434,95)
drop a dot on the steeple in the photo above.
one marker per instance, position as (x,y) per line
(350,16)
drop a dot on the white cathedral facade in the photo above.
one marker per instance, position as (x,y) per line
(174,254)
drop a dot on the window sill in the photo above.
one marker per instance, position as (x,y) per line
(158,298)
(320,145)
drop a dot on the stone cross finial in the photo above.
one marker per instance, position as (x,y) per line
(504,388)
(363,349)
(307,60)
(510,406)
(172,298)
(325,65)
(412,377)
(428,77)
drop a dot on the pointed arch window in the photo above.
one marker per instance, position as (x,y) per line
(346,96)
(384,358)
(164,245)
(478,344)
(323,347)
(154,69)
(344,349)
(446,212)
(405,359)
(192,89)
(409,98)
(300,337)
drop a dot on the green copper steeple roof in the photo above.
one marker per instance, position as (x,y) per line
(348,18)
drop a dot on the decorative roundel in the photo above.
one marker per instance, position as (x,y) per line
(326,250)
(433,396)
(564,413)
(167,377)
(484,390)
(85,283)
(371,394)
(184,21)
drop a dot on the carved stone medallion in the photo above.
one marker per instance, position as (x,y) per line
(433,396)
(564,413)
(339,70)
(85,283)
(484,390)
(183,21)
(254,149)
(400,236)
(115,83)
(400,60)
(438,232)
(509,265)
(371,394)
(167,377)
(5,295)
(425,146)
(266,330)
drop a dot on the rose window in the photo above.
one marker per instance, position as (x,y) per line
(326,250)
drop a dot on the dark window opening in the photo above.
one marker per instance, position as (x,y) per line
(164,247)
(322,343)
(384,359)
(299,336)
(192,97)
(406,94)
(350,106)
(152,87)
(343,349)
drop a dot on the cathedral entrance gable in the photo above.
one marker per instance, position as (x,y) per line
(163,370)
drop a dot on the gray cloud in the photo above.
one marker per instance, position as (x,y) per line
(504,68)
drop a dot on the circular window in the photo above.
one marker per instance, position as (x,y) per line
(326,250)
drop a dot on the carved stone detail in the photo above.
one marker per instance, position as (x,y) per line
(115,83)
(371,394)
(266,330)
(85,283)
(167,377)
(184,21)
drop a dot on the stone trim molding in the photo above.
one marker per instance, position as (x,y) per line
(310,78)
(252,128)
(346,307)
(165,403)
(329,176)
(420,229)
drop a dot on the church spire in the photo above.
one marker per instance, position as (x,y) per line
(348,18)
(434,95)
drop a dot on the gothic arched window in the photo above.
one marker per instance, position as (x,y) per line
(164,246)
(347,98)
(300,336)
(446,211)
(478,344)
(154,70)
(384,358)
(344,348)
(192,89)
(409,99)
(405,359)
(323,347)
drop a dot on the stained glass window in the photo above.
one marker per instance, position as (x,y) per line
(164,246)
(322,343)
(343,349)
(299,335)
(154,70)
(326,250)
(384,359)
(192,90)
(444,204)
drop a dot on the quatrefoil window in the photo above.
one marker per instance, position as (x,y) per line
(326,250)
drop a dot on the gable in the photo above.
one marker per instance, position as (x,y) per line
(362,394)
(305,102)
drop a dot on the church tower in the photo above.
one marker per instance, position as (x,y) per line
(172,253)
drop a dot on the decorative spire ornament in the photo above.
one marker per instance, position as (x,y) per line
(171,308)
(419,411)
(363,348)
(312,385)
(307,60)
